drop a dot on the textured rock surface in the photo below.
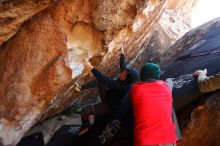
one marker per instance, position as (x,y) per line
(50,126)
(170,28)
(14,13)
(182,4)
(40,63)
(31,74)
(203,129)
(173,24)
(190,39)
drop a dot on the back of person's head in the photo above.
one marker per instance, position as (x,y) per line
(150,71)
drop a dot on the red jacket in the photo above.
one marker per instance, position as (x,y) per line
(152,107)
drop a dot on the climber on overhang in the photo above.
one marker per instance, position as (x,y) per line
(207,84)
(145,115)
(111,90)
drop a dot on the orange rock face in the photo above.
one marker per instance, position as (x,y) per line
(204,127)
(182,4)
(14,13)
(42,53)
(31,73)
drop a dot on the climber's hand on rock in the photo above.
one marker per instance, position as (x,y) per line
(200,72)
(122,50)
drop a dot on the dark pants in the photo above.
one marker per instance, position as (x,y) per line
(101,109)
(104,115)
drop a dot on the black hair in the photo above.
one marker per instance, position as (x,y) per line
(132,75)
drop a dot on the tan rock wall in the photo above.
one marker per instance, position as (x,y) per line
(40,63)
(182,4)
(204,127)
(31,73)
(14,13)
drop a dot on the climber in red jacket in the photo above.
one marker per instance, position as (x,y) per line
(155,122)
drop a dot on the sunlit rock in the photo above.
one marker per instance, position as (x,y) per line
(41,57)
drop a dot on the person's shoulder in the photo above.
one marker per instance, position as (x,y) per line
(138,84)
(160,82)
